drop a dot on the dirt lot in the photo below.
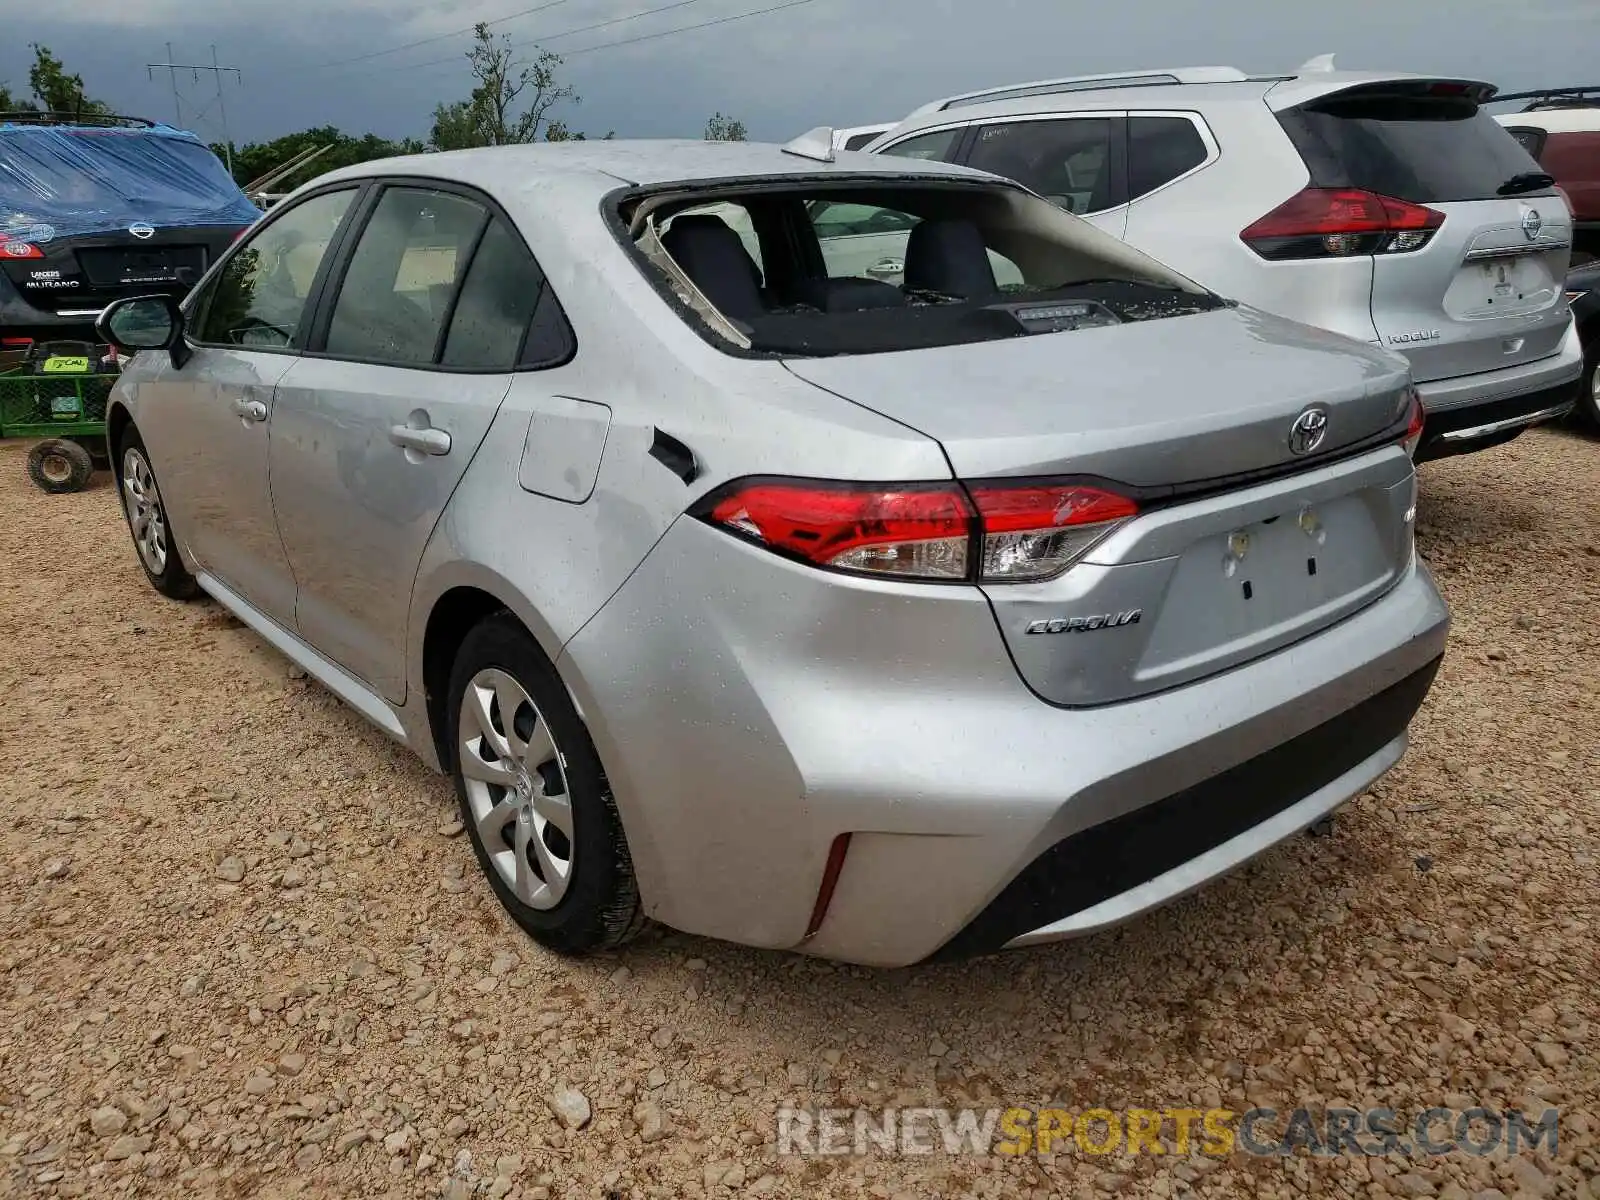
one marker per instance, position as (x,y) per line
(342,1010)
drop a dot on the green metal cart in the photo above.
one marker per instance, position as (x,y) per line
(57,391)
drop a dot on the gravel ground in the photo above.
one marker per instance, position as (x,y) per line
(246,951)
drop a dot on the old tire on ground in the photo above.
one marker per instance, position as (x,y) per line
(147,522)
(534,797)
(59,466)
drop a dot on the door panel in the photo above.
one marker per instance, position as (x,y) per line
(358,489)
(366,454)
(207,427)
(208,424)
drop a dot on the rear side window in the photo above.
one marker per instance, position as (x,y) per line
(1160,149)
(856,141)
(1529,138)
(396,294)
(1428,150)
(1066,162)
(498,299)
(939,146)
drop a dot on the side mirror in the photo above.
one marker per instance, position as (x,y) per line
(144,323)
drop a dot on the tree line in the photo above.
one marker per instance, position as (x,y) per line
(512,102)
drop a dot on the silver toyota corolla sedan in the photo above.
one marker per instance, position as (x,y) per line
(883,621)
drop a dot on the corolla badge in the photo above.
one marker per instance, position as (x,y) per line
(1532,224)
(1308,430)
(141,230)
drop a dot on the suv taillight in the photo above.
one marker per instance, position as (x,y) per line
(1341,223)
(12,248)
(989,532)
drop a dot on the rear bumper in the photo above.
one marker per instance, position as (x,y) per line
(749,711)
(18,318)
(1476,411)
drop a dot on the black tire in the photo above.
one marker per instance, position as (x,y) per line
(600,908)
(59,466)
(168,574)
(1588,399)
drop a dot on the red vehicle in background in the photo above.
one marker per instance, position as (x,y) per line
(1561,128)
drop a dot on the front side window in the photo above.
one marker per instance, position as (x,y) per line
(939,146)
(1160,149)
(259,298)
(1068,162)
(402,277)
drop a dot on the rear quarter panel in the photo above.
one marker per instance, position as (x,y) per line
(555,563)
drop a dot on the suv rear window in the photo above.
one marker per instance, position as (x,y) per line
(1423,148)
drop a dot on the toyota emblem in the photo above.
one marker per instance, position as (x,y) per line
(1309,430)
(141,230)
(1532,223)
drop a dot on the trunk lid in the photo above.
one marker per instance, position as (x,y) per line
(1241,547)
(1485,290)
(1155,405)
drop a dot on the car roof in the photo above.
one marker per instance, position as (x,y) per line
(1555,120)
(1209,88)
(597,167)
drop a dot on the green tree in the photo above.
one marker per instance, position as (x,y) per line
(558,131)
(491,116)
(259,158)
(10,103)
(724,129)
(57,91)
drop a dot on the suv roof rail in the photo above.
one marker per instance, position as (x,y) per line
(1568,97)
(1076,83)
(112,120)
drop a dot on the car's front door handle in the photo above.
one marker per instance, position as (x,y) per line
(253,411)
(423,441)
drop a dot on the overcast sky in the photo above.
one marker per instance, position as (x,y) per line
(835,62)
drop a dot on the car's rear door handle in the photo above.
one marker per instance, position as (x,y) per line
(253,411)
(423,441)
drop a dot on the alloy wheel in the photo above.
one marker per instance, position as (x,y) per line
(516,787)
(146,517)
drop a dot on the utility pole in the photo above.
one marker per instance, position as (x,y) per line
(217,101)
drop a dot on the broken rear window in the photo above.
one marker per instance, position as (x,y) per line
(868,266)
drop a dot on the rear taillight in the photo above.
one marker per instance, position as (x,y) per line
(1416,417)
(1341,223)
(990,532)
(1037,532)
(11,249)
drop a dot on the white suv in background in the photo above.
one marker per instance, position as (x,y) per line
(1384,206)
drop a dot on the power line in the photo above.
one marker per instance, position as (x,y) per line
(438,37)
(199,112)
(645,37)
(633,16)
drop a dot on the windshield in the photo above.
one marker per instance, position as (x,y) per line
(867,268)
(77,181)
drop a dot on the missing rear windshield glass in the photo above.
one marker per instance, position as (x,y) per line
(862,266)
